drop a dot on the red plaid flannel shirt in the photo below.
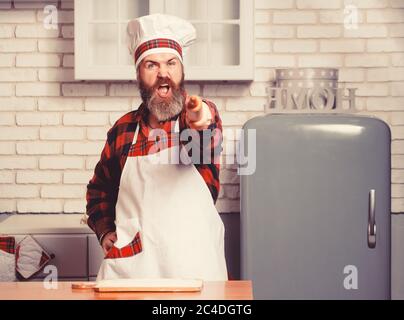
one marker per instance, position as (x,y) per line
(127,251)
(102,189)
(7,244)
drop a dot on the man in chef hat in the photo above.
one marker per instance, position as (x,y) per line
(158,220)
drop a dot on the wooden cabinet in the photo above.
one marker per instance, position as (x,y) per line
(223,51)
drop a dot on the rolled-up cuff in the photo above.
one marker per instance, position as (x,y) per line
(101,237)
(101,226)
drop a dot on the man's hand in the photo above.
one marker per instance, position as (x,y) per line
(108,241)
(198,115)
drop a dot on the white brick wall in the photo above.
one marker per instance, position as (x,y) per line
(20,75)
(39,147)
(33,89)
(68,60)
(19,191)
(323,32)
(73,206)
(6,31)
(17,45)
(7,148)
(79,90)
(17,162)
(61,162)
(17,16)
(52,128)
(107,104)
(7,89)
(62,133)
(64,16)
(56,75)
(7,119)
(318,4)
(32,4)
(83,148)
(40,206)
(59,46)
(7,59)
(37,60)
(25,176)
(35,31)
(60,104)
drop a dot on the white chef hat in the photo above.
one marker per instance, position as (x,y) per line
(157,33)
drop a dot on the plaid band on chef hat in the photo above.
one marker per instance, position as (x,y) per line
(159,33)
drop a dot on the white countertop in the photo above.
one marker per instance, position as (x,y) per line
(42,223)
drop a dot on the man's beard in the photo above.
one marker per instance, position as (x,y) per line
(163,109)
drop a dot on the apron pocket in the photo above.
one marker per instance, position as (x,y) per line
(134,247)
(125,231)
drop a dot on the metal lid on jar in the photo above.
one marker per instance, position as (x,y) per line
(307,74)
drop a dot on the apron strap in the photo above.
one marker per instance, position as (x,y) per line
(177,125)
(136,132)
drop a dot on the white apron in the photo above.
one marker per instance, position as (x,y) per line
(170,205)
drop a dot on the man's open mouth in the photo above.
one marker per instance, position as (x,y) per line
(163,90)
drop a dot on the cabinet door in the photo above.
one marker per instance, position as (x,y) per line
(224,46)
(95,255)
(70,254)
(100,38)
(223,50)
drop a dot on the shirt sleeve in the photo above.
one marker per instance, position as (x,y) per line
(209,144)
(102,190)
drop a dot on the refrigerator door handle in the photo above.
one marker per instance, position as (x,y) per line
(372,220)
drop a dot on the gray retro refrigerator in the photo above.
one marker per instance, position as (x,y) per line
(315,213)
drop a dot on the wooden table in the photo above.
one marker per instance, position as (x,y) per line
(214,290)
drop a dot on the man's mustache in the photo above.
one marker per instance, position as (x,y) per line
(147,92)
(161,81)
